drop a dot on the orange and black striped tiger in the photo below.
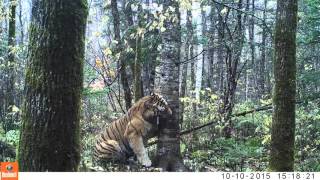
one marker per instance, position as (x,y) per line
(124,137)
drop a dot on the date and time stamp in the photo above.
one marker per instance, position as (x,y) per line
(270,176)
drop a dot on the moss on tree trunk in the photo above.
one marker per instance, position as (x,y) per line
(168,151)
(283,123)
(49,139)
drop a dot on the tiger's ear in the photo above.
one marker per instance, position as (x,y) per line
(152,94)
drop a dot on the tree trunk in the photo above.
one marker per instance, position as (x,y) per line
(253,65)
(21,23)
(49,139)
(191,43)
(138,88)
(283,122)
(168,150)
(220,53)
(212,82)
(10,70)
(149,65)
(261,83)
(119,48)
(232,59)
(188,54)
(204,78)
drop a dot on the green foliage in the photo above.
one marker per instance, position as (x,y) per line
(208,105)
(248,149)
(308,137)
(12,137)
(91,92)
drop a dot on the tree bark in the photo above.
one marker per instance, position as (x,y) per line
(254,64)
(261,83)
(211,80)
(21,23)
(283,122)
(220,52)
(138,88)
(204,78)
(188,54)
(168,150)
(10,70)
(119,48)
(49,139)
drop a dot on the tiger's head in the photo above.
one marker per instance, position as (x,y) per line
(153,105)
(159,103)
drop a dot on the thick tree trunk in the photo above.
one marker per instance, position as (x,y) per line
(49,139)
(168,150)
(283,122)
(117,37)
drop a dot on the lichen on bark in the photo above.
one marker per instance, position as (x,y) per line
(49,139)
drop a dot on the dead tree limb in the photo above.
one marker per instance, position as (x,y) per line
(188,131)
(262,108)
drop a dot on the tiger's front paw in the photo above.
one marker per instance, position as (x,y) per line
(145,161)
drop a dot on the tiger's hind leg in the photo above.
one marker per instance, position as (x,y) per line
(109,151)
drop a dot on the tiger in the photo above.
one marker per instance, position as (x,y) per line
(125,137)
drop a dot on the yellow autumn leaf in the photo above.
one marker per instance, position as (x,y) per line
(107,51)
(111,74)
(99,63)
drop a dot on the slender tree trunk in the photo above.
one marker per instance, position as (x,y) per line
(220,53)
(283,122)
(49,139)
(168,150)
(138,88)
(183,87)
(204,78)
(212,65)
(190,45)
(10,69)
(232,59)
(21,23)
(149,65)
(188,54)
(263,54)
(253,65)
(117,37)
